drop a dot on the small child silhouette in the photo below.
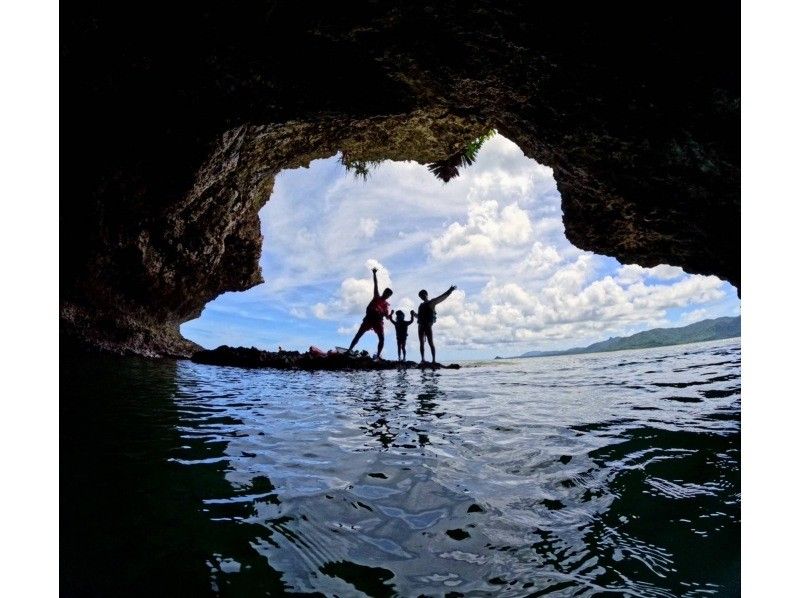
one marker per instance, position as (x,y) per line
(401,331)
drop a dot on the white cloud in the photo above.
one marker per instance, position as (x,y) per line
(632,273)
(551,229)
(355,293)
(488,227)
(664,272)
(405,305)
(298,312)
(568,306)
(348,330)
(320,311)
(382,270)
(541,260)
(695,289)
(367,227)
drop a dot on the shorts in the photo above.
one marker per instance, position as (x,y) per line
(376,325)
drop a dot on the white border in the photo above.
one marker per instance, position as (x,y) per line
(770,237)
(29,138)
(29,120)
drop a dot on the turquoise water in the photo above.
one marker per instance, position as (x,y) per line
(572,475)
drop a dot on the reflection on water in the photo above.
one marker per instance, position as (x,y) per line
(566,475)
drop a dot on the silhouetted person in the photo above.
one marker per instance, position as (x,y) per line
(401,331)
(426,316)
(377,309)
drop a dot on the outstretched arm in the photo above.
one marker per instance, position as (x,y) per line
(391,319)
(413,314)
(443,296)
(375,292)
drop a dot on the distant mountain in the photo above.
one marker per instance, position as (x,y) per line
(705,330)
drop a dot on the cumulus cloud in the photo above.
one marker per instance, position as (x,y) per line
(502,169)
(541,260)
(550,228)
(354,293)
(570,305)
(488,227)
(405,304)
(568,280)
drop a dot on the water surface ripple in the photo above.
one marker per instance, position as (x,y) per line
(564,476)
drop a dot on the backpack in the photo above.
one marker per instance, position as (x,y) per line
(427,313)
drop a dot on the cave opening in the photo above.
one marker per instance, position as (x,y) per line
(494,229)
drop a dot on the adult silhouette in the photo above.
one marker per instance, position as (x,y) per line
(426,317)
(377,309)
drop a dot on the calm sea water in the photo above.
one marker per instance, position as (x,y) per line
(563,476)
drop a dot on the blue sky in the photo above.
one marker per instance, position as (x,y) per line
(496,231)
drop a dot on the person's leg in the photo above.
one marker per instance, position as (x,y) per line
(398,349)
(429,334)
(362,329)
(404,349)
(379,332)
(421,343)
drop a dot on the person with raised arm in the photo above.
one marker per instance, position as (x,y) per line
(377,309)
(426,317)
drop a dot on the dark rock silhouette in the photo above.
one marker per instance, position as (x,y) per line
(294,360)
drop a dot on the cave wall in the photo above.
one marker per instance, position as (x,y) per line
(179,122)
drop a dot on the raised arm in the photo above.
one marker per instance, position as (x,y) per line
(391,319)
(442,297)
(413,315)
(375,292)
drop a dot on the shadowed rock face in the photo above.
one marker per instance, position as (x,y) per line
(181,122)
(294,360)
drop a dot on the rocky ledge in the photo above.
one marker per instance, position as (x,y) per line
(308,361)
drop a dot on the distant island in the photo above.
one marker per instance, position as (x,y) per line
(705,330)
